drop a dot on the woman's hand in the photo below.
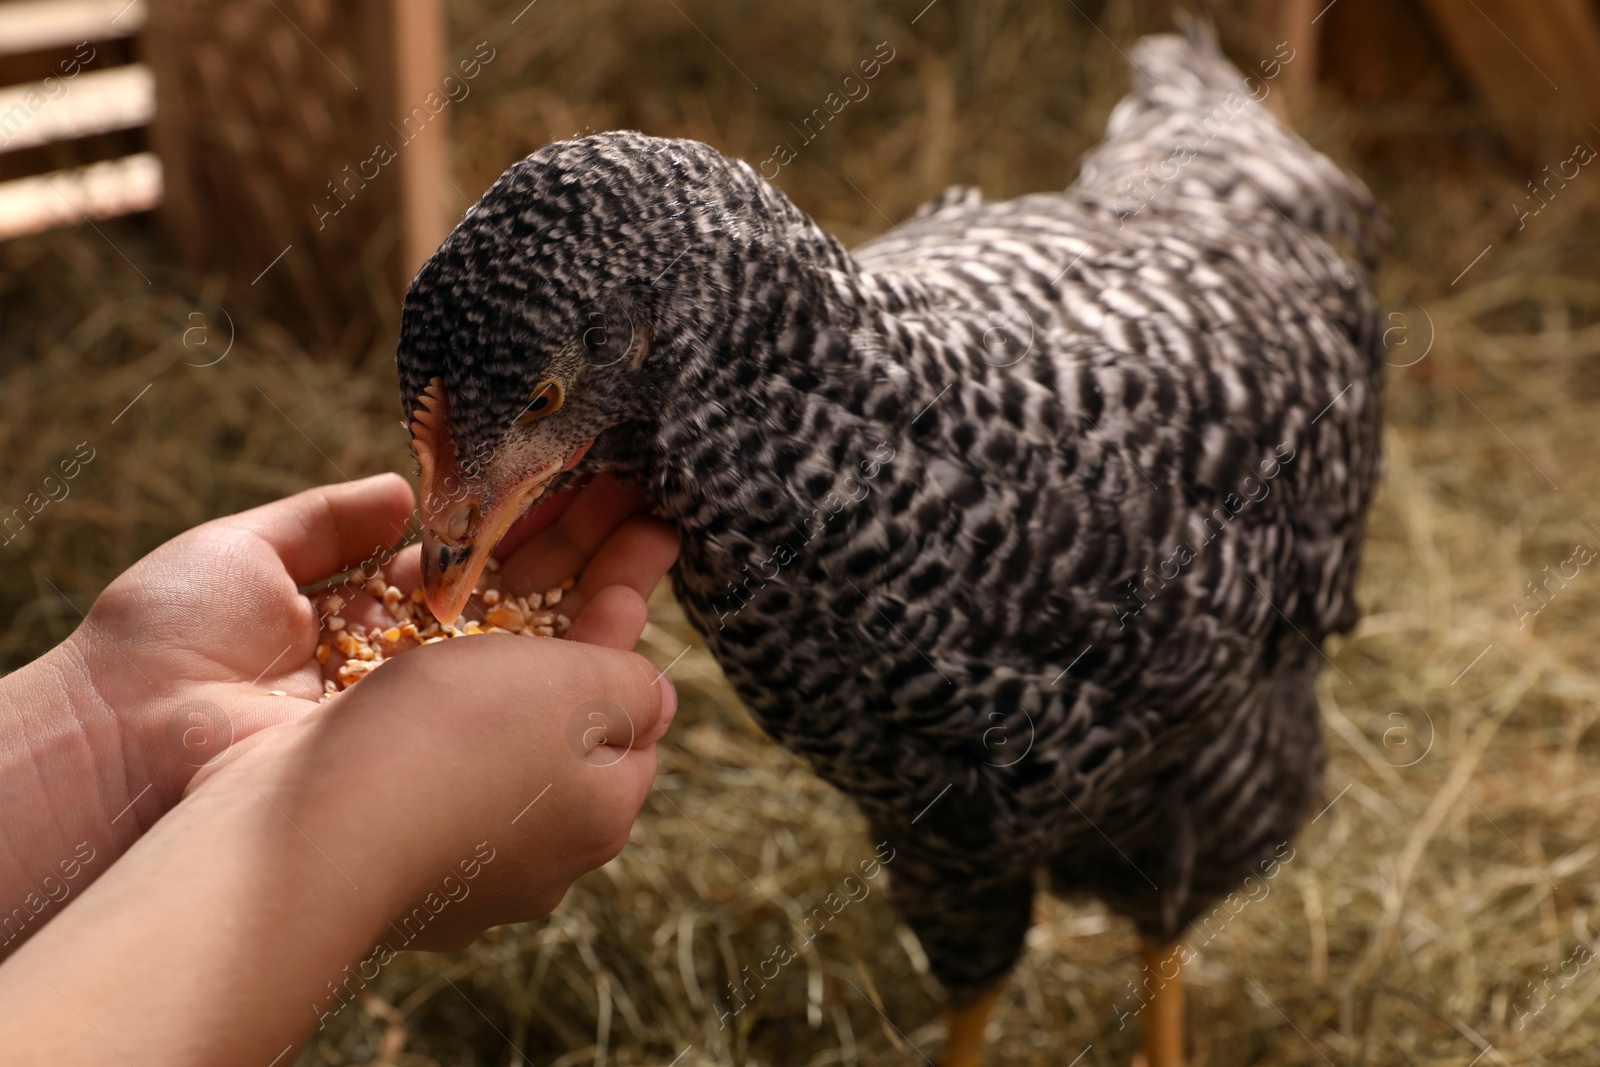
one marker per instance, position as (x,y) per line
(462,784)
(179,658)
(465,784)
(213,620)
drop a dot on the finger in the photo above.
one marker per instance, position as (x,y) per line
(325,530)
(628,718)
(405,569)
(591,509)
(635,556)
(632,777)
(539,517)
(613,617)
(656,708)
(669,711)
(563,549)
(563,677)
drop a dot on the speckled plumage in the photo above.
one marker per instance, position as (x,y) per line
(1023,523)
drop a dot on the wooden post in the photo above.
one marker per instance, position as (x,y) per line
(1537,66)
(1299,78)
(420,64)
(282,127)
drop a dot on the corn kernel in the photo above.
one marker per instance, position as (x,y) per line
(505,616)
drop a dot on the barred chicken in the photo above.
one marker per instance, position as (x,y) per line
(1024,523)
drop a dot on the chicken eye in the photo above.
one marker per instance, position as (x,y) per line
(545,398)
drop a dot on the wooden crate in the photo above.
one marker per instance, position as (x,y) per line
(72,107)
(300,152)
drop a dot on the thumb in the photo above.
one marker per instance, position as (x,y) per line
(322,531)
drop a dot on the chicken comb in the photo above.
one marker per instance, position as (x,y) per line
(430,437)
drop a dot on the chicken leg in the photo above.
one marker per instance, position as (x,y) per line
(1163,1026)
(964,1028)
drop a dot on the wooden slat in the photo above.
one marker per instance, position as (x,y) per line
(34,25)
(66,198)
(1536,65)
(95,101)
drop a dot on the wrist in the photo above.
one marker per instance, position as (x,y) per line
(154,732)
(63,786)
(118,706)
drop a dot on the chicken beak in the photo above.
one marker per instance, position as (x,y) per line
(452,565)
(458,540)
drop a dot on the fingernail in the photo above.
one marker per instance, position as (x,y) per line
(669,701)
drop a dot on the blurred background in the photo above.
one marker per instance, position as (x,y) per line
(208,213)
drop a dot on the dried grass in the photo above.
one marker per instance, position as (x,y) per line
(1424,910)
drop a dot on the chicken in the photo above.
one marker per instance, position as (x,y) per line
(1024,523)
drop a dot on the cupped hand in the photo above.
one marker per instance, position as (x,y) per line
(462,785)
(491,771)
(190,648)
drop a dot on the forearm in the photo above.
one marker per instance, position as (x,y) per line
(449,789)
(217,937)
(62,788)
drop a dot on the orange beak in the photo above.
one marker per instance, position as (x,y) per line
(452,565)
(464,518)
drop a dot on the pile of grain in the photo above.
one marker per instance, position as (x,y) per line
(365,648)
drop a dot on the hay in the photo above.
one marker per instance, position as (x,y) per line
(1427,913)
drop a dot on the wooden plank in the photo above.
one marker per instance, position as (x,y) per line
(66,198)
(97,101)
(34,25)
(420,64)
(1536,65)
